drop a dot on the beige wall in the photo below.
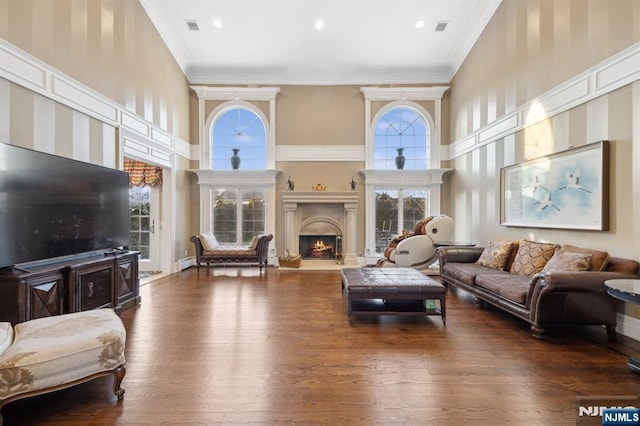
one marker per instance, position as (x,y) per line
(529,48)
(112,47)
(108,45)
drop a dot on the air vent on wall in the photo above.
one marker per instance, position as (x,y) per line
(441,26)
(193,25)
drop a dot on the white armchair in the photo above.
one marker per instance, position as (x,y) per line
(417,250)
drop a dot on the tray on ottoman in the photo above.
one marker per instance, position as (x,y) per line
(399,291)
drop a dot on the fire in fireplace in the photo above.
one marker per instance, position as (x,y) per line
(318,246)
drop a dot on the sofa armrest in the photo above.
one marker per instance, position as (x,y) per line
(577,281)
(459,254)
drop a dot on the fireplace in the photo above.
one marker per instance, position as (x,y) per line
(318,246)
(321,216)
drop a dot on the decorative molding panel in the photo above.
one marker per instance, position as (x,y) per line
(22,69)
(404,93)
(320,153)
(406,178)
(236,178)
(236,93)
(617,71)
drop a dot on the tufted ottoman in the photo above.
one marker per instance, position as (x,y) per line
(397,291)
(52,353)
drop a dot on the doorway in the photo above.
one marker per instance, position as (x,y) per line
(145,205)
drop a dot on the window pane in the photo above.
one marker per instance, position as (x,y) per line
(241,129)
(224,215)
(401,128)
(414,208)
(252,214)
(386,218)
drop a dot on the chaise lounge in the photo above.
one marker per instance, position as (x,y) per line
(208,251)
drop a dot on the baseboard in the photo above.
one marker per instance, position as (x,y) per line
(628,326)
(185,263)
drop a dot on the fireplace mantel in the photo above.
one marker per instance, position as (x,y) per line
(339,207)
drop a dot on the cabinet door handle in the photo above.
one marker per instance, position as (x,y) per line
(90,289)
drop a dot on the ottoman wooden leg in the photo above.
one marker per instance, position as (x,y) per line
(118,375)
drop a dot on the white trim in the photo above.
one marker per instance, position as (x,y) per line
(23,69)
(628,326)
(403,179)
(320,153)
(615,72)
(236,93)
(236,178)
(433,93)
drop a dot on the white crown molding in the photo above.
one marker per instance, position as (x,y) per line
(403,178)
(404,93)
(320,153)
(20,68)
(236,178)
(617,71)
(236,93)
(319,77)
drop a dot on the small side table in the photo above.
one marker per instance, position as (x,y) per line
(627,290)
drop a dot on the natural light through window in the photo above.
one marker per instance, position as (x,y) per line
(401,131)
(241,130)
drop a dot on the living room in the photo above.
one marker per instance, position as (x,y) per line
(94,81)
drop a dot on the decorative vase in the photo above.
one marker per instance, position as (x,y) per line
(235,159)
(400,159)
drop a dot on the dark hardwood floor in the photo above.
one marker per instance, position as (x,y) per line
(234,347)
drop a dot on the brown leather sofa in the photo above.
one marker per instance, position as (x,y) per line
(543,299)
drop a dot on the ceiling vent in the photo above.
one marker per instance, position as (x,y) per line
(441,26)
(193,25)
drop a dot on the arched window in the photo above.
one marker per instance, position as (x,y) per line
(401,140)
(238,130)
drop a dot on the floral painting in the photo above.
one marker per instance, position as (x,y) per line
(566,190)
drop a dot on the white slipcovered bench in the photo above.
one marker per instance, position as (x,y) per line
(47,354)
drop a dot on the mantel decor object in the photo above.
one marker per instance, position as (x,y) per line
(400,159)
(319,187)
(290,184)
(235,159)
(353,184)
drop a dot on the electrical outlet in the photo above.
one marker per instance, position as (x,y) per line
(186,253)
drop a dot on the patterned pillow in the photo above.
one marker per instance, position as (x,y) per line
(6,336)
(568,261)
(496,254)
(254,242)
(532,257)
(599,258)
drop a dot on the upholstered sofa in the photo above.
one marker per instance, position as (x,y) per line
(209,251)
(47,354)
(544,284)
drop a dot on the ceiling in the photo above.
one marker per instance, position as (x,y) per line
(362,42)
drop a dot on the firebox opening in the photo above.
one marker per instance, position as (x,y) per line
(318,246)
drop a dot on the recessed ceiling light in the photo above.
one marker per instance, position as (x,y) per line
(319,24)
(419,23)
(217,23)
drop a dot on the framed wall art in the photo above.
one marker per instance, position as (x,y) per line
(566,190)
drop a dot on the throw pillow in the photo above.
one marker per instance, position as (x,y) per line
(599,258)
(564,261)
(496,254)
(208,241)
(532,257)
(6,336)
(254,242)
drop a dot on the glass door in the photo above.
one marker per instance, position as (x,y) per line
(144,207)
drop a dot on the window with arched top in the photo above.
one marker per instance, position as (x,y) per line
(401,140)
(238,140)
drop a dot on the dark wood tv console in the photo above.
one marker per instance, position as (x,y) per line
(78,284)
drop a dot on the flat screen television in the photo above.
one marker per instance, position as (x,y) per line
(53,207)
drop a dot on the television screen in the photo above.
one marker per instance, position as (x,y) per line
(52,206)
